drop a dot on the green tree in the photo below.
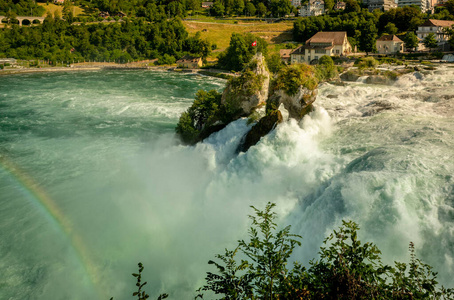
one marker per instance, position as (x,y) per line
(261,9)
(347,269)
(250,9)
(391,28)
(430,41)
(450,33)
(450,6)
(265,274)
(203,112)
(217,9)
(67,12)
(368,38)
(274,62)
(352,6)
(329,5)
(193,5)
(326,70)
(10,17)
(238,7)
(411,40)
(280,8)
(240,51)
(142,295)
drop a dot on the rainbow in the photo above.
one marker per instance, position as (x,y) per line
(53,213)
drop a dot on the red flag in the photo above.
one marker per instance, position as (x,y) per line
(254,43)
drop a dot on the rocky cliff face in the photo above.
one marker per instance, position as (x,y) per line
(248,91)
(295,87)
(298,104)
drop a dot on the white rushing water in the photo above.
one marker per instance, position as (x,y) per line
(379,155)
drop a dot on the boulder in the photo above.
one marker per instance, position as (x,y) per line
(379,79)
(298,104)
(262,128)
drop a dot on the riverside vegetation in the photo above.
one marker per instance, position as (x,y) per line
(346,268)
(153,29)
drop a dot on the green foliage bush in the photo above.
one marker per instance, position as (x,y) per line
(203,112)
(166,60)
(347,268)
(247,84)
(366,62)
(274,63)
(292,77)
(390,60)
(326,70)
(265,274)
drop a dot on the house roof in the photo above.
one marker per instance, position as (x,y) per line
(389,38)
(299,50)
(334,37)
(438,23)
(188,58)
(285,53)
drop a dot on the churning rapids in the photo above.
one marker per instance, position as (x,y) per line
(92,179)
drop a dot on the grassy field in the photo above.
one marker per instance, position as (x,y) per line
(219,33)
(52,8)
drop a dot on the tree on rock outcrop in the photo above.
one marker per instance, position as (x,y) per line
(212,111)
(296,88)
(248,91)
(240,51)
(201,114)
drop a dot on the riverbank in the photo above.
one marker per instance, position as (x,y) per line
(111,66)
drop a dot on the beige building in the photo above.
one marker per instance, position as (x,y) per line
(285,55)
(383,5)
(331,43)
(436,27)
(312,8)
(422,4)
(189,62)
(389,44)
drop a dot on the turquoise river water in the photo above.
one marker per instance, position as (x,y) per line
(93,180)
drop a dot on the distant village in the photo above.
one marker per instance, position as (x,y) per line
(429,34)
(337,44)
(317,7)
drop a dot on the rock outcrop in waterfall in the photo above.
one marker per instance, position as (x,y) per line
(249,91)
(252,93)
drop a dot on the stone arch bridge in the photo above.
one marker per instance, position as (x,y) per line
(22,19)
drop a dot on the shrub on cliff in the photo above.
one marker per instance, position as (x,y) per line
(203,112)
(248,83)
(292,77)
